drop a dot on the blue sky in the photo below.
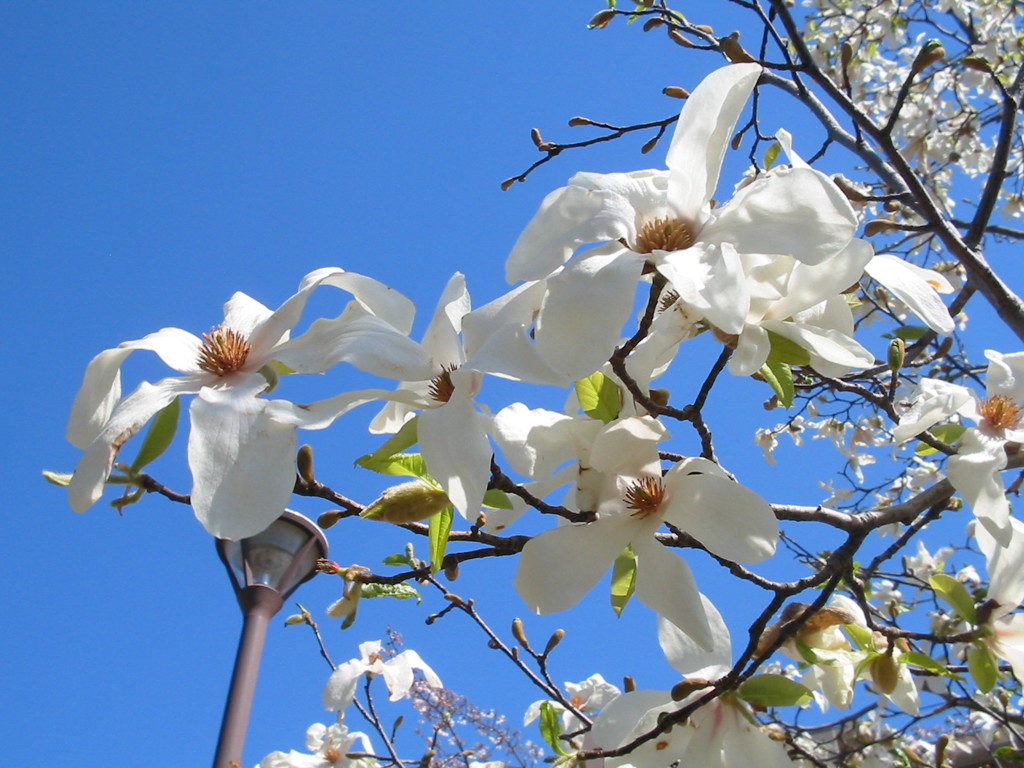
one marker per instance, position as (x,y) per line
(158,157)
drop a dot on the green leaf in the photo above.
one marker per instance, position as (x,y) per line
(982,665)
(910,332)
(599,397)
(440,527)
(947,433)
(780,377)
(915,659)
(158,436)
(770,156)
(410,464)
(861,636)
(400,591)
(955,594)
(396,560)
(63,479)
(623,579)
(551,727)
(785,351)
(773,691)
(405,437)
(496,499)
(806,652)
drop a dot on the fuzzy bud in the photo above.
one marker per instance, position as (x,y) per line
(684,688)
(508,183)
(676,37)
(885,673)
(846,54)
(329,518)
(519,633)
(536,138)
(407,503)
(878,226)
(554,640)
(651,23)
(897,353)
(675,92)
(734,51)
(577,121)
(930,53)
(977,63)
(628,684)
(304,461)
(649,145)
(601,19)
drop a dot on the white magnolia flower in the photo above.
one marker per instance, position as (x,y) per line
(241,450)
(1005,564)
(558,567)
(330,748)
(723,732)
(981,454)
(665,218)
(398,673)
(589,696)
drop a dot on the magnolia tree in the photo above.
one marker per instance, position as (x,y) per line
(836,271)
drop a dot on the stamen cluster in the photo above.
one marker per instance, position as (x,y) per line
(1000,412)
(441,387)
(224,351)
(644,496)
(663,234)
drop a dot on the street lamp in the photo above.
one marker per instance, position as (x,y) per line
(265,569)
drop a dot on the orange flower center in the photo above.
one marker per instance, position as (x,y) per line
(441,387)
(223,351)
(644,496)
(664,235)
(1000,412)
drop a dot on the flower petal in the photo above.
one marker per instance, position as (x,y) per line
(705,127)
(453,439)
(131,414)
(665,584)
(586,306)
(932,401)
(728,518)
(341,685)
(796,211)
(1005,375)
(688,658)
(911,284)
(558,567)
(242,462)
(974,472)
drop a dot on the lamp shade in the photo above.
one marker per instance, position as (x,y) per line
(280,557)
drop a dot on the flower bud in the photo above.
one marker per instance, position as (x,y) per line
(675,92)
(977,63)
(508,183)
(329,518)
(734,51)
(651,23)
(304,461)
(451,571)
(678,38)
(407,503)
(554,640)
(295,618)
(535,136)
(846,54)
(649,145)
(878,226)
(885,673)
(519,633)
(930,53)
(601,19)
(628,684)
(897,353)
(684,688)
(578,121)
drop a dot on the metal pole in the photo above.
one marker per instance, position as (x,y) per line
(259,603)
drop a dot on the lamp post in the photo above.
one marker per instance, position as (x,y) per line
(264,569)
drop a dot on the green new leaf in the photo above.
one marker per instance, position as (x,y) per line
(158,436)
(947,433)
(861,636)
(399,591)
(496,499)
(955,594)
(410,464)
(806,652)
(780,376)
(598,397)
(63,479)
(551,727)
(915,659)
(440,527)
(773,691)
(910,332)
(396,560)
(982,665)
(771,155)
(785,351)
(623,579)
(405,437)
